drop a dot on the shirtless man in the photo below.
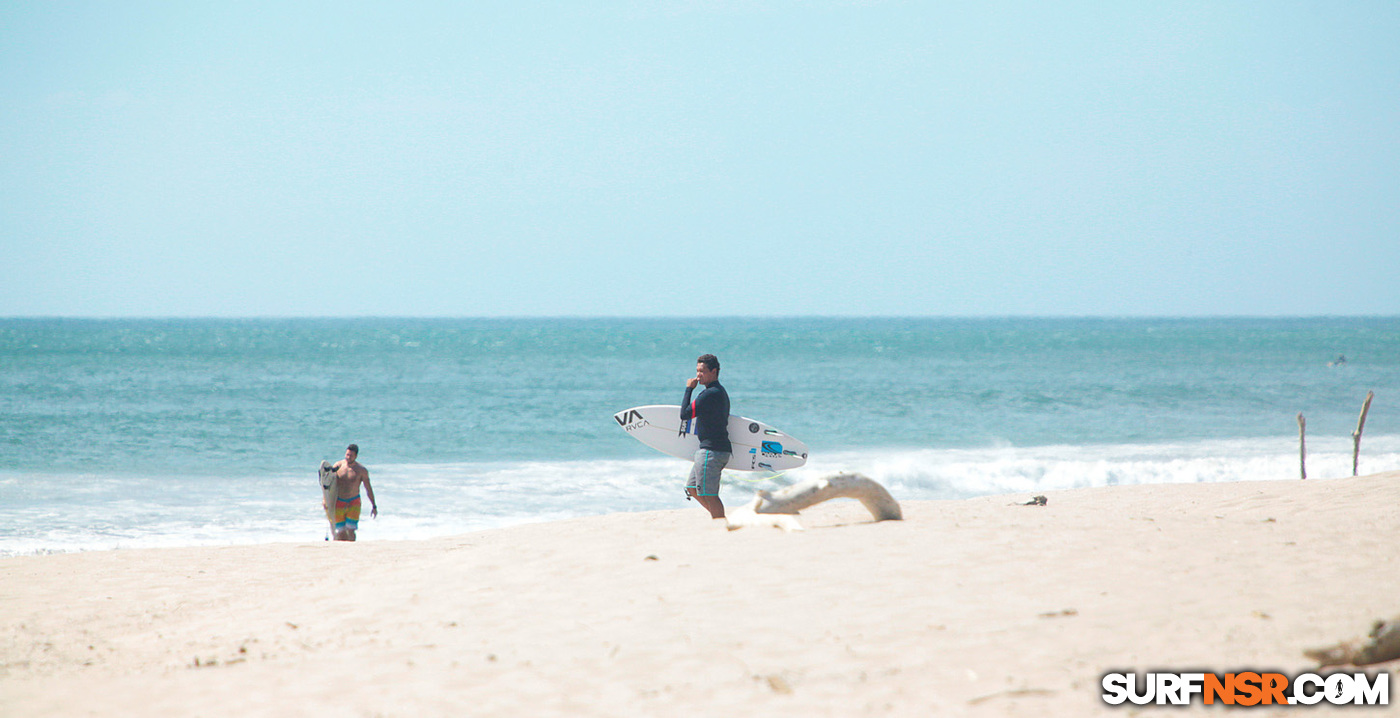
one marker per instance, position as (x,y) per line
(349,475)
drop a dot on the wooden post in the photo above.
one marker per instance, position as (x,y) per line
(1302,445)
(1356,437)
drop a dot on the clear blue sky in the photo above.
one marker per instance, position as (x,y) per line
(663,158)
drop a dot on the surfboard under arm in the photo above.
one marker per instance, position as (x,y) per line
(757,446)
(328,480)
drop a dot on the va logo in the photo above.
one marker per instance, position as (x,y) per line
(630,419)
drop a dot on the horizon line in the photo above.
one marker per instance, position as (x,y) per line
(660,317)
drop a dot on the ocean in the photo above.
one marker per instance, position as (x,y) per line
(182,432)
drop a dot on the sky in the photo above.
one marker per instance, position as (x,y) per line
(688,158)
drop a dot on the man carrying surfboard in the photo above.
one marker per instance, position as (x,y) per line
(710,409)
(349,475)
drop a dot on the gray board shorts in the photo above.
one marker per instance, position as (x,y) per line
(704,475)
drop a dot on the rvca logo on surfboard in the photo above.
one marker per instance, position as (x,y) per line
(630,420)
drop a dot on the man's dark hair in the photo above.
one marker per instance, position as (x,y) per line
(355,448)
(710,361)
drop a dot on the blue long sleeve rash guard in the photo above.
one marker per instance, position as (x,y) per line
(711,412)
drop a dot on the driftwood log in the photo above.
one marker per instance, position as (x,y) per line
(1383,645)
(779,508)
(807,493)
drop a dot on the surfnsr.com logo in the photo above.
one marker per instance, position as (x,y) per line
(1246,688)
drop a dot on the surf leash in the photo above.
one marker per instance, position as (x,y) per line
(768,477)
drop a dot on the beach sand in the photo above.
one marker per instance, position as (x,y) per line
(972,607)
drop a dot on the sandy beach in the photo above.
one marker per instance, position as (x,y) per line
(974,607)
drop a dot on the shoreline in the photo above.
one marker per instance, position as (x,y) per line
(440,500)
(977,606)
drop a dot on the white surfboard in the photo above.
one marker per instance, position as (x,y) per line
(328,490)
(757,446)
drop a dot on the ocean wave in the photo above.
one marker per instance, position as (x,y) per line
(49,513)
(962,473)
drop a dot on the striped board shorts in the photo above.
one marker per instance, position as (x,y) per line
(347,513)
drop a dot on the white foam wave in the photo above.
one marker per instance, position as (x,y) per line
(54,513)
(958,473)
